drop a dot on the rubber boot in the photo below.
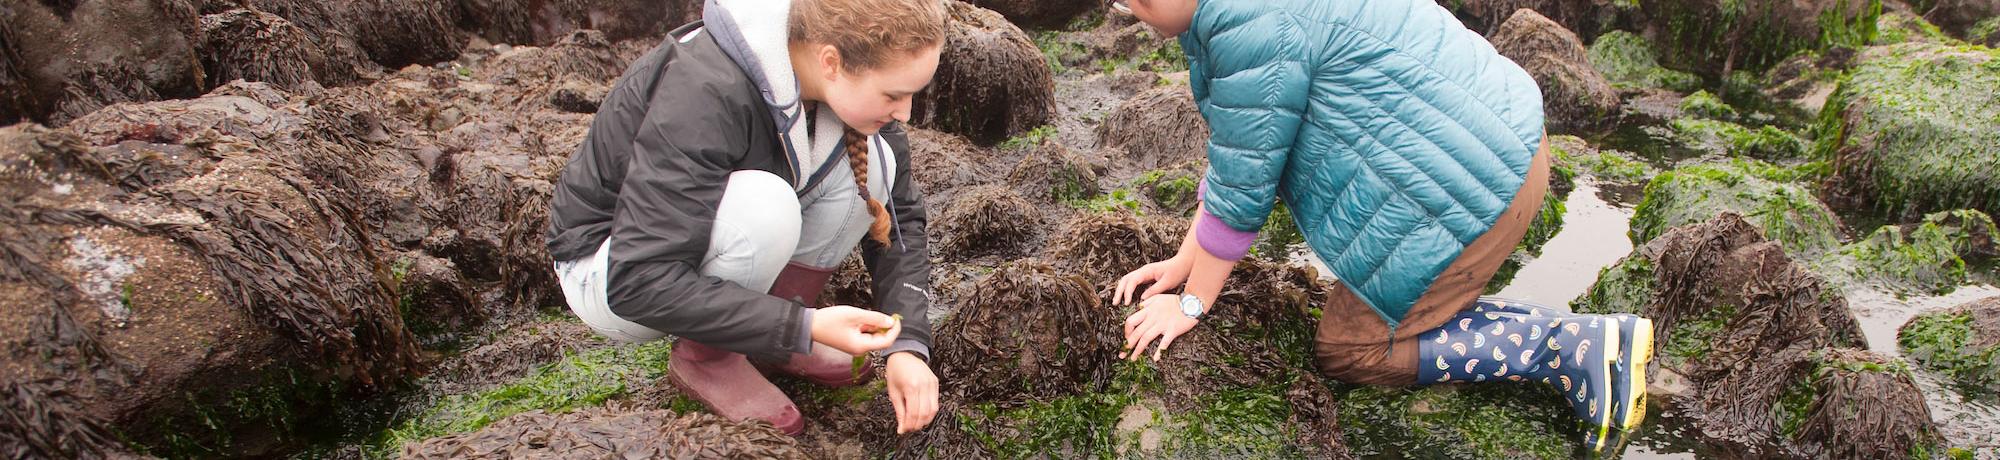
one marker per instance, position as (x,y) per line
(1628,391)
(730,387)
(1574,354)
(825,365)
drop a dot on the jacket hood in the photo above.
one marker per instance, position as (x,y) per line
(754,33)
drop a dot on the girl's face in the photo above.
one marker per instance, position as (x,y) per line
(872,98)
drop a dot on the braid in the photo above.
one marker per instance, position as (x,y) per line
(857,159)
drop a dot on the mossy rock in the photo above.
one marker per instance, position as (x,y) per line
(1157,128)
(1050,172)
(1624,287)
(1913,131)
(1987,32)
(1930,257)
(1902,27)
(1629,62)
(1706,105)
(1715,37)
(1962,344)
(1576,157)
(1497,420)
(1963,17)
(1726,138)
(1764,194)
(1103,246)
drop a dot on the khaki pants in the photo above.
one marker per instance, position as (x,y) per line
(1353,343)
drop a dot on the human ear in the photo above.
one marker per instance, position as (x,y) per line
(829,62)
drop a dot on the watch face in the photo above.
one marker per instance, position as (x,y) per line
(1190,305)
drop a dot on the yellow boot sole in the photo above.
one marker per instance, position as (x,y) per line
(1642,353)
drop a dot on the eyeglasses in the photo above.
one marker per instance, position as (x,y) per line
(1120,6)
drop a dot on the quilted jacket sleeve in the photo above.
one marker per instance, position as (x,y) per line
(1251,83)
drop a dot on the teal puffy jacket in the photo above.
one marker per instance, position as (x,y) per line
(1395,135)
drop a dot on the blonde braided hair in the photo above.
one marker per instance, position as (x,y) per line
(857,160)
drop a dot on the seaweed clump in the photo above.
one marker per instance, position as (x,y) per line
(1027,332)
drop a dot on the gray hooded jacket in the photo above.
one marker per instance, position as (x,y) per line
(713,99)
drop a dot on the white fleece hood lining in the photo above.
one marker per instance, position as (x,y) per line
(764,27)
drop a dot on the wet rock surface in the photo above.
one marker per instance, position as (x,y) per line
(602,433)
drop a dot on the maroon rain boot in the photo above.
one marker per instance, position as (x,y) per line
(730,386)
(825,366)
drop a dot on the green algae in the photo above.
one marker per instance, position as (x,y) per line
(1930,257)
(1755,35)
(1629,62)
(1497,420)
(1625,287)
(1900,27)
(1706,105)
(1170,189)
(1912,131)
(580,380)
(1764,194)
(1944,342)
(1766,142)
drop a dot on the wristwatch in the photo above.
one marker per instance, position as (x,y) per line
(1191,306)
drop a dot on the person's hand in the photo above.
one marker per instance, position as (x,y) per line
(1160,317)
(1165,275)
(853,330)
(913,389)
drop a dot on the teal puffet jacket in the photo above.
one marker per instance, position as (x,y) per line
(1395,135)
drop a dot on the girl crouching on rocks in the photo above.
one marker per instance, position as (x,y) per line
(1410,154)
(729,172)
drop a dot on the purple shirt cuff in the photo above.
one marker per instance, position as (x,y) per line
(1217,237)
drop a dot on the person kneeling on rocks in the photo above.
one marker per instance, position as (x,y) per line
(1412,158)
(728,173)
